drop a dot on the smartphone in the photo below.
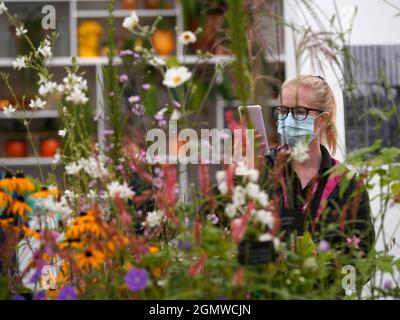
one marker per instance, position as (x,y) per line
(257,119)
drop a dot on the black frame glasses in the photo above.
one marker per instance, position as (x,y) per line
(299,113)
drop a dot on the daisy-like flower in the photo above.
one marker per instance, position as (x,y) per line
(62,133)
(45,49)
(9,111)
(91,258)
(20,30)
(157,61)
(115,189)
(239,196)
(154,218)
(5,199)
(263,198)
(174,77)
(187,37)
(19,63)
(72,168)
(3,8)
(37,104)
(131,22)
(299,151)
(18,207)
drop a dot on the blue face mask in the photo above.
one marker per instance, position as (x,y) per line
(294,131)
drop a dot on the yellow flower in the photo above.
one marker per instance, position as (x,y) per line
(156,272)
(4,223)
(9,183)
(29,233)
(91,258)
(154,249)
(45,192)
(18,207)
(24,184)
(5,199)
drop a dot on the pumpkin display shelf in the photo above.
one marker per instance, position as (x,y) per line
(75,12)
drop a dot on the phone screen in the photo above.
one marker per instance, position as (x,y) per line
(257,119)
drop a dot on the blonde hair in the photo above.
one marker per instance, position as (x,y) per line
(323,98)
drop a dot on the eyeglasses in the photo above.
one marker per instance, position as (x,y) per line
(298,113)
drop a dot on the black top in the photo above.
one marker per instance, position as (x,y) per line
(351,194)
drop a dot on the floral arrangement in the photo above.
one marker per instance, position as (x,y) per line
(118,230)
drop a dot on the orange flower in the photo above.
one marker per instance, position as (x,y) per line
(29,233)
(24,184)
(156,272)
(18,207)
(154,249)
(91,258)
(46,192)
(5,199)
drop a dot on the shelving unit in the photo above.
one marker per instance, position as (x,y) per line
(70,13)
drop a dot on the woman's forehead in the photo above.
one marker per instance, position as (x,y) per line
(296,96)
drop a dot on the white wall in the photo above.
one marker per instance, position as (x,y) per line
(374,24)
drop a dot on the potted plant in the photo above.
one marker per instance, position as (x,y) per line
(129,4)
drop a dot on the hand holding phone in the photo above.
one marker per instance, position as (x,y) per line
(256,117)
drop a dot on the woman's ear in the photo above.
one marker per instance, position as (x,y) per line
(324,117)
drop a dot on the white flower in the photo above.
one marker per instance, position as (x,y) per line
(19,63)
(131,22)
(115,189)
(47,87)
(220,176)
(37,104)
(299,151)
(223,187)
(92,194)
(154,218)
(174,77)
(157,61)
(72,168)
(187,37)
(230,210)
(241,169)
(9,111)
(94,167)
(3,8)
(252,190)
(77,97)
(45,49)
(263,198)
(265,217)
(265,237)
(69,195)
(239,196)
(62,133)
(253,175)
(57,157)
(20,30)
(176,115)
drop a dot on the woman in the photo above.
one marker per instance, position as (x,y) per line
(306,117)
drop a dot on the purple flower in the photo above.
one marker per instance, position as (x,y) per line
(213,218)
(18,297)
(40,295)
(133,99)
(176,103)
(136,279)
(138,109)
(67,293)
(387,285)
(124,53)
(182,245)
(123,78)
(107,132)
(99,115)
(324,246)
(146,86)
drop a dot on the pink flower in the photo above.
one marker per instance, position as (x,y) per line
(123,78)
(353,242)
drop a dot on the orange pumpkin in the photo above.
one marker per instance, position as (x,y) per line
(49,146)
(152,4)
(16,148)
(129,4)
(164,42)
